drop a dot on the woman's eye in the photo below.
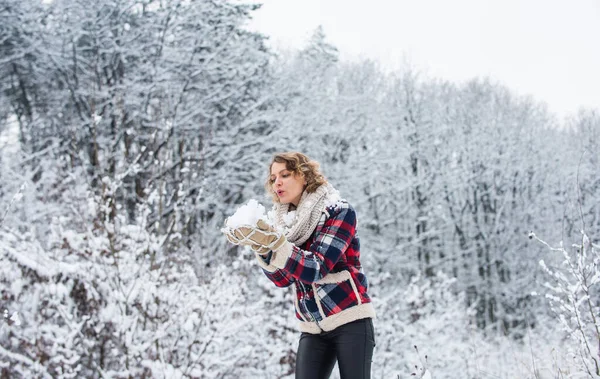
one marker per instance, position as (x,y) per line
(285,175)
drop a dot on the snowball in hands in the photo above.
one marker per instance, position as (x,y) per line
(242,228)
(247,215)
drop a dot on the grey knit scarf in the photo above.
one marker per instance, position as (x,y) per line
(308,213)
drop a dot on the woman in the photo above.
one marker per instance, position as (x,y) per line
(315,248)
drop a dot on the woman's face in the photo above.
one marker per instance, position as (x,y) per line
(286,185)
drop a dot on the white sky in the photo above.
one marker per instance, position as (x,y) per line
(549,49)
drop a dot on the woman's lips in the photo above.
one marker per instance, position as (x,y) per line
(279,193)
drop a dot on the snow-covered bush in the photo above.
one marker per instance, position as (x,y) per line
(91,308)
(574,296)
(426,330)
(428,314)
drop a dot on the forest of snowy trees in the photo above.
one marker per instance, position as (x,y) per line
(129,130)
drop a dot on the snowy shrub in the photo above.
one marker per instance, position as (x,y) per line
(430,315)
(279,332)
(94,308)
(574,298)
(426,330)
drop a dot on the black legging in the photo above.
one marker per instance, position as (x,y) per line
(351,344)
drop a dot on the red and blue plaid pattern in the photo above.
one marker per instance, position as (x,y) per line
(333,247)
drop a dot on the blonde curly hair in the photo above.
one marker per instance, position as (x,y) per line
(298,164)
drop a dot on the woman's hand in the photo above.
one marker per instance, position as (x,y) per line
(262,238)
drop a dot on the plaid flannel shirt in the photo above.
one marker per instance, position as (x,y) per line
(326,272)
